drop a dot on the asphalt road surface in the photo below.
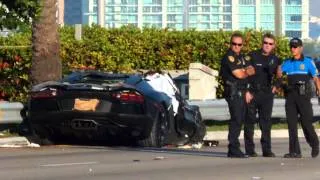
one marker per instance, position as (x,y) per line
(100,162)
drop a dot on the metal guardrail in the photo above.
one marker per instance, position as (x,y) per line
(210,110)
(218,109)
(10,112)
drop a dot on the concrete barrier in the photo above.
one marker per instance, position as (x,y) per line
(202,82)
(10,112)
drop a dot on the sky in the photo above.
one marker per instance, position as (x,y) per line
(314,8)
(314,11)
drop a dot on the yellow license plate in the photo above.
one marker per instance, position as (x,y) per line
(85,104)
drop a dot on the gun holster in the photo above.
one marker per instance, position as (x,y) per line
(302,87)
(234,89)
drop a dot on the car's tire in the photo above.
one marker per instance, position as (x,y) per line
(36,139)
(159,132)
(200,130)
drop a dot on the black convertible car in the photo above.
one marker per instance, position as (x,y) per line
(98,105)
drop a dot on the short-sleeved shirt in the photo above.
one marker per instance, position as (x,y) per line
(230,62)
(299,69)
(265,67)
(317,62)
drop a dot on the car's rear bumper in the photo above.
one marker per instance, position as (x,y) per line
(70,122)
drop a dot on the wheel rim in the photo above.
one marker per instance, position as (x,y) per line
(163,129)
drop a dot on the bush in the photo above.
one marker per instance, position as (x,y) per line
(123,49)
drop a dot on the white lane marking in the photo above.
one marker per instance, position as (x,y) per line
(68,164)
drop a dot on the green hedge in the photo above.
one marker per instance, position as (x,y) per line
(122,50)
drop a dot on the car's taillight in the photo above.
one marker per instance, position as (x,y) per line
(45,93)
(129,96)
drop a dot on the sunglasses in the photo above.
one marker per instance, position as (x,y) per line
(265,42)
(294,47)
(236,44)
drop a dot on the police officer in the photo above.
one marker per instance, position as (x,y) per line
(235,70)
(299,70)
(265,63)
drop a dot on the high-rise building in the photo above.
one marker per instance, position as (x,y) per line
(286,17)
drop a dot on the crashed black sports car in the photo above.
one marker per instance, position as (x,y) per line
(98,105)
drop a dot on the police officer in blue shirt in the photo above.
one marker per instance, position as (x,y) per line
(235,70)
(299,70)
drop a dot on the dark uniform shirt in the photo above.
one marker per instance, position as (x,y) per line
(299,70)
(265,66)
(231,61)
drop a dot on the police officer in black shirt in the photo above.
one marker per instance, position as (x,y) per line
(235,70)
(265,63)
(300,70)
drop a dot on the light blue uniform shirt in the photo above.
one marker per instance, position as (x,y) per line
(303,66)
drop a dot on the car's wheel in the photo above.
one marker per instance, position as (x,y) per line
(35,138)
(39,137)
(159,132)
(200,130)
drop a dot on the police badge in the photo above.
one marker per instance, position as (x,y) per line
(247,58)
(271,62)
(231,58)
(301,66)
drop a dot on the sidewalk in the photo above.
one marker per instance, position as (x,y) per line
(278,133)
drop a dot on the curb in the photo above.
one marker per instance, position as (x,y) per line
(14,142)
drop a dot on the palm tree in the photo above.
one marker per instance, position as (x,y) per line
(46,64)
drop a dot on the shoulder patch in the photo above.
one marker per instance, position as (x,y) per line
(231,58)
(247,58)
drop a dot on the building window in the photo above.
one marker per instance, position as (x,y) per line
(293,2)
(205,2)
(247,2)
(227,2)
(146,9)
(152,2)
(215,9)
(205,9)
(293,26)
(109,1)
(295,18)
(247,10)
(227,26)
(267,2)
(193,2)
(175,2)
(177,26)
(174,17)
(156,9)
(175,9)
(227,18)
(227,9)
(193,9)
(293,34)
(293,10)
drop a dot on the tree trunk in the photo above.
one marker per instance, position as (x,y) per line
(46,64)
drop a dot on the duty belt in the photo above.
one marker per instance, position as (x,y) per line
(258,87)
(302,87)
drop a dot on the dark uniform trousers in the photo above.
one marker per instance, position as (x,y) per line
(237,108)
(261,104)
(300,104)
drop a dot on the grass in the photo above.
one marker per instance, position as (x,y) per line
(223,125)
(7,133)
